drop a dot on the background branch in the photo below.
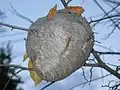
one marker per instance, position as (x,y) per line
(91,65)
(14,27)
(15,66)
(104,18)
(106,14)
(103,65)
(10,79)
(90,81)
(113,53)
(14,11)
(65,4)
(47,85)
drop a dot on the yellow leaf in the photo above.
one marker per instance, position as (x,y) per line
(33,74)
(76,9)
(25,56)
(52,13)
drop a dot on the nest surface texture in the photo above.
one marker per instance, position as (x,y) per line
(60,46)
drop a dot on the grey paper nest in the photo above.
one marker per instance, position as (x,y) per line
(59,47)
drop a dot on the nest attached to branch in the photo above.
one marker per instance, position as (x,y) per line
(60,46)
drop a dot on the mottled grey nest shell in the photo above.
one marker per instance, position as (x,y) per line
(59,47)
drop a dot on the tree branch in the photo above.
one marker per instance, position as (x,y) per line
(91,65)
(15,66)
(113,53)
(65,3)
(113,1)
(68,2)
(90,81)
(47,85)
(10,79)
(104,18)
(14,27)
(116,25)
(103,65)
(14,11)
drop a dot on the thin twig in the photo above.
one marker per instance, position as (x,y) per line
(103,65)
(83,72)
(68,2)
(14,11)
(89,81)
(15,66)
(10,79)
(64,3)
(104,47)
(106,14)
(113,53)
(109,34)
(91,65)
(47,85)
(91,74)
(113,1)
(14,27)
(104,18)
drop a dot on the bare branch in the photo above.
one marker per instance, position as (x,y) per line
(113,1)
(83,72)
(68,2)
(14,27)
(47,85)
(113,53)
(91,73)
(10,79)
(90,81)
(15,66)
(101,19)
(104,47)
(103,65)
(113,85)
(113,8)
(106,14)
(91,65)
(109,34)
(14,11)
(65,3)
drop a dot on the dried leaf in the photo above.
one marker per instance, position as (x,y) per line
(33,74)
(76,9)
(25,56)
(52,13)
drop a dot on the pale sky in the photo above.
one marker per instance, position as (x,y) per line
(35,9)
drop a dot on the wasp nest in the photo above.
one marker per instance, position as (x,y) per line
(60,46)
